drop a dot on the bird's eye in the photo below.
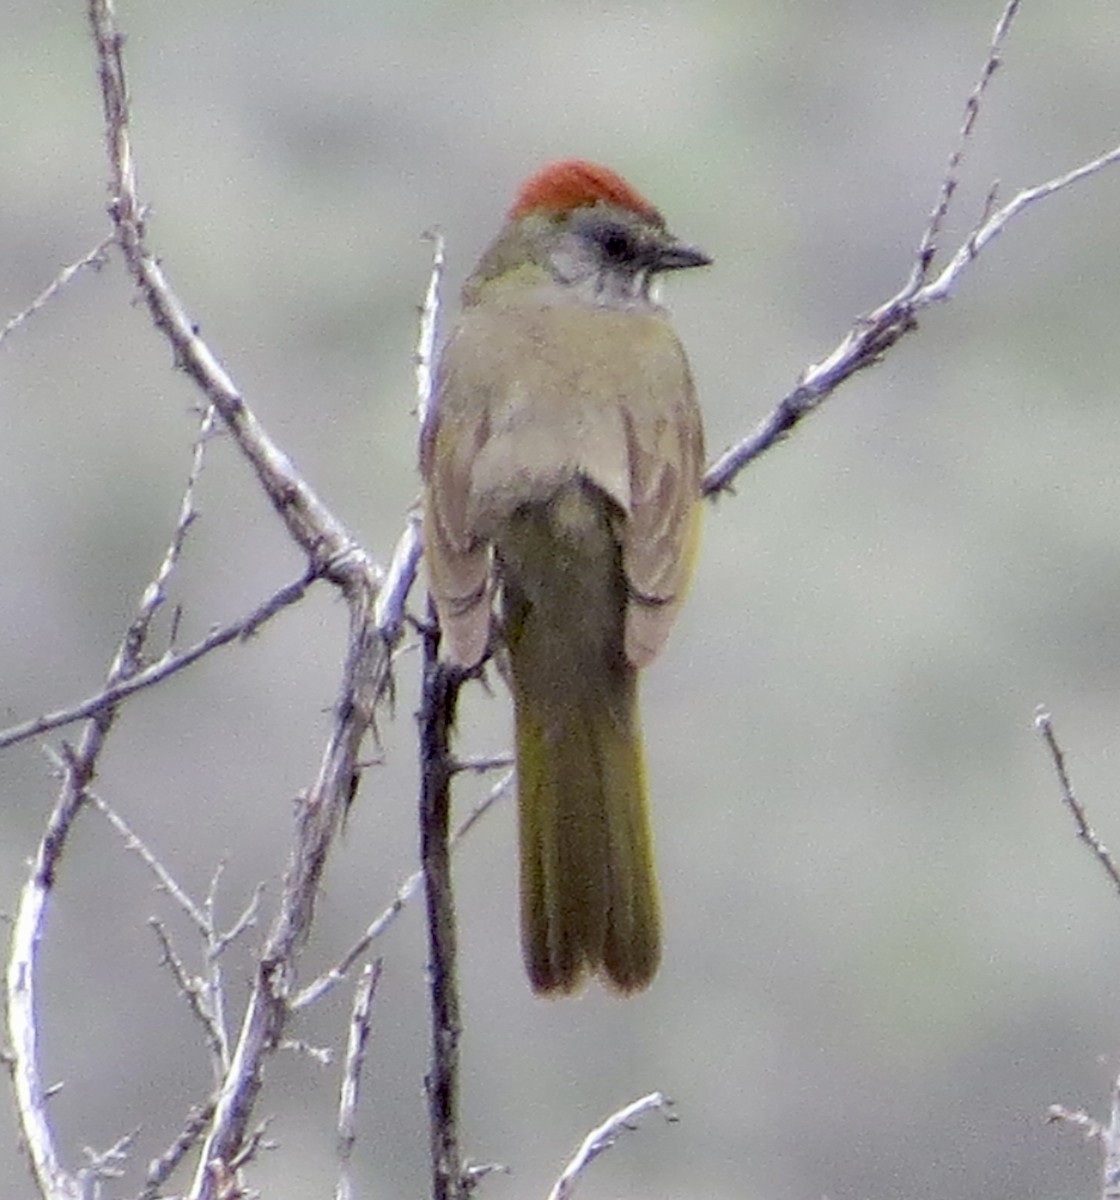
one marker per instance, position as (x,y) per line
(616,243)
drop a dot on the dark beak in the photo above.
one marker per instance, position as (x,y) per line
(677,258)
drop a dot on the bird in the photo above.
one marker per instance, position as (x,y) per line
(562,462)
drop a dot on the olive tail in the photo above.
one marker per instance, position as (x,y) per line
(588,894)
(588,890)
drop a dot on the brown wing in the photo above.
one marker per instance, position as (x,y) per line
(659,539)
(458,561)
(511,426)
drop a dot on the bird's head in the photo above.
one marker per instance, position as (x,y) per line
(582,232)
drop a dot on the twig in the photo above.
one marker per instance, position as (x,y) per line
(399,578)
(150,859)
(429,328)
(603,1137)
(1110,1168)
(352,1075)
(941,287)
(188,514)
(318,820)
(874,334)
(388,609)
(1043,723)
(321,1056)
(253,1143)
(1056,1114)
(105,1164)
(53,1181)
(95,258)
(205,995)
(927,247)
(484,764)
(195,992)
(170,663)
(160,1169)
(451,1180)
(1109,1135)
(246,920)
(330,979)
(324,539)
(439,697)
(78,769)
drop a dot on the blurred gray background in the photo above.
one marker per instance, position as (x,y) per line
(886,953)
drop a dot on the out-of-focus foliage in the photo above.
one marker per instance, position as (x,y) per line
(886,955)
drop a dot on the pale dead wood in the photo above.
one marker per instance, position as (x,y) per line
(875,333)
(603,1137)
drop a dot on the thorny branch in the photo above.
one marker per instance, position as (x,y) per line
(874,334)
(317,821)
(1043,722)
(360,1019)
(331,552)
(328,545)
(603,1137)
(95,258)
(160,1169)
(450,1181)
(376,602)
(169,663)
(326,982)
(78,768)
(927,247)
(1107,1134)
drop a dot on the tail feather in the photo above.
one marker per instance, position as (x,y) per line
(588,893)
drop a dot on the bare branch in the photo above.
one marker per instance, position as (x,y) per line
(439,697)
(1043,723)
(53,1181)
(245,921)
(360,1017)
(603,1137)
(327,543)
(333,553)
(95,258)
(481,765)
(160,1169)
(163,876)
(1078,1118)
(330,979)
(204,995)
(874,334)
(155,594)
(78,769)
(927,247)
(105,1164)
(1110,1168)
(194,991)
(321,1056)
(993,225)
(255,1142)
(163,668)
(388,609)
(318,820)
(1109,1135)
(429,328)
